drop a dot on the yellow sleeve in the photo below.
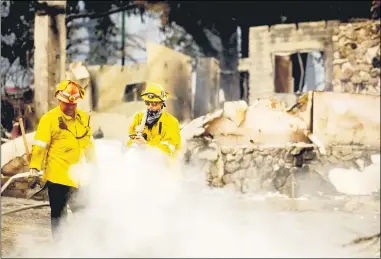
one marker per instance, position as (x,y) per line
(170,140)
(41,143)
(132,130)
(90,148)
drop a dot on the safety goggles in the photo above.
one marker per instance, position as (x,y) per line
(153,96)
(148,103)
(64,84)
(71,98)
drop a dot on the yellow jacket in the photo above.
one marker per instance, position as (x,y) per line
(55,149)
(165,134)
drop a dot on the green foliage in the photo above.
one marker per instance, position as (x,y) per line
(178,39)
(102,33)
(17,20)
(17,28)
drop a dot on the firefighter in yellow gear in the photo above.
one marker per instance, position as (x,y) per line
(155,127)
(63,138)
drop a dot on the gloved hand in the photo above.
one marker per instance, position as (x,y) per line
(33,172)
(139,140)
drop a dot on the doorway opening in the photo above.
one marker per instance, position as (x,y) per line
(244,85)
(132,92)
(299,72)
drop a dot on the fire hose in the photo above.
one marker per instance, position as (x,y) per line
(35,206)
(140,127)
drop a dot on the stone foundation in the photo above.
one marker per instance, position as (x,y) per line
(271,168)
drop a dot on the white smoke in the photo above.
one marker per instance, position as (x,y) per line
(139,206)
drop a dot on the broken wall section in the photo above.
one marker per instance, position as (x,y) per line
(265,42)
(266,146)
(351,54)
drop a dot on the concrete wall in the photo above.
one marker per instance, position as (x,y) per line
(343,118)
(164,66)
(109,83)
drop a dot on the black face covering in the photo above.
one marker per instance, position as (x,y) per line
(153,117)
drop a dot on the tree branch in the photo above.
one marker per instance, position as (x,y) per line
(95,15)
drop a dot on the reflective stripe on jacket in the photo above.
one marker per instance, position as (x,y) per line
(54,150)
(165,134)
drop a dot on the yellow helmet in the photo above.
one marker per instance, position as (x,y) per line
(69,91)
(154,93)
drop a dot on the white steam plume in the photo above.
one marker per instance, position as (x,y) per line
(139,207)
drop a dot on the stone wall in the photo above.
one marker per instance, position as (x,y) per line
(351,54)
(356,63)
(258,169)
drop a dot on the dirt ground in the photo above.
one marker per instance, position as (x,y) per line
(12,225)
(349,218)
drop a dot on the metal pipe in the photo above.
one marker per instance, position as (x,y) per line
(123,35)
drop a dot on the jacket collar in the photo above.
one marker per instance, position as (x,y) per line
(66,117)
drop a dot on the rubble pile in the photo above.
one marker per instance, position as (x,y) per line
(356,64)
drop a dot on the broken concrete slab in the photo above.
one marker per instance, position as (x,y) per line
(264,122)
(196,127)
(269,123)
(235,111)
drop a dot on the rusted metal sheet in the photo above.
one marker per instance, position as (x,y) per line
(344,118)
